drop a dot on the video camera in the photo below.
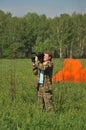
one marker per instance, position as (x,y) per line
(40,56)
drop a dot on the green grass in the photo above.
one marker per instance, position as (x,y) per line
(18,100)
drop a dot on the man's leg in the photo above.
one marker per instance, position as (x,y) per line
(48,101)
(40,98)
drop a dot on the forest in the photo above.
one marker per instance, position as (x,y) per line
(64,35)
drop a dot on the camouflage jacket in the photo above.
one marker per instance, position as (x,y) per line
(48,69)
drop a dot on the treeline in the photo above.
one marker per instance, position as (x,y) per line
(65,35)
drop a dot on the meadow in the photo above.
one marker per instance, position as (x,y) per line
(18,99)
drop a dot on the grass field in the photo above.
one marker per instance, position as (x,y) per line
(18,100)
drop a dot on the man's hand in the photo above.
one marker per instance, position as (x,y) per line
(36,58)
(45,63)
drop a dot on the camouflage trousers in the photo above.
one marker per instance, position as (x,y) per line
(45,99)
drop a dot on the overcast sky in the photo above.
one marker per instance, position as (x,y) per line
(50,8)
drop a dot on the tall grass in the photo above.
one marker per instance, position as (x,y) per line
(18,100)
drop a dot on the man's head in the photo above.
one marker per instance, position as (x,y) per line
(47,56)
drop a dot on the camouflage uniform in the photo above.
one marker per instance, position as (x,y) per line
(45,89)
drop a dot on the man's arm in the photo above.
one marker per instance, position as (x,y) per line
(35,69)
(44,66)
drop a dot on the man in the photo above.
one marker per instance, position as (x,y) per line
(44,88)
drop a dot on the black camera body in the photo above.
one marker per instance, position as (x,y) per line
(40,56)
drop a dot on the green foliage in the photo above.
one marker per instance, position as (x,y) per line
(18,100)
(65,34)
(46,45)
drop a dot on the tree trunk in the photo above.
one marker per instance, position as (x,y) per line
(71,52)
(60,49)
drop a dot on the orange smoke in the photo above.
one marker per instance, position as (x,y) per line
(72,71)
